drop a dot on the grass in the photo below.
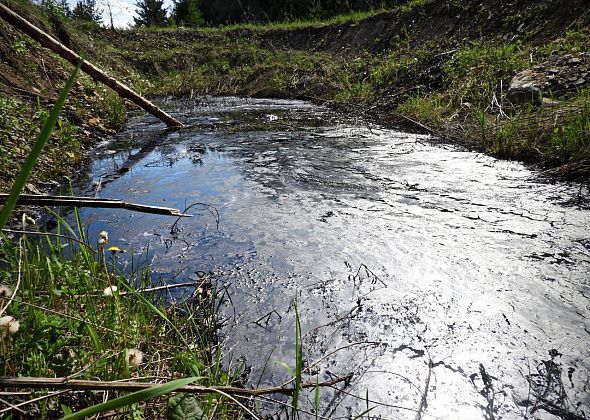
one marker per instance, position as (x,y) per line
(84,319)
(20,121)
(465,98)
(70,325)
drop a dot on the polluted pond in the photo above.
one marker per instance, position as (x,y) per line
(446,283)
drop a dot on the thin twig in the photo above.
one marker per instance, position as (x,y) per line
(67,201)
(218,391)
(424,397)
(19,277)
(55,235)
(164,287)
(79,384)
(43,397)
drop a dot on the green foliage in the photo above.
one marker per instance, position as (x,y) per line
(57,8)
(184,407)
(187,13)
(19,46)
(25,172)
(115,109)
(573,41)
(428,109)
(88,11)
(480,70)
(221,12)
(150,13)
(570,140)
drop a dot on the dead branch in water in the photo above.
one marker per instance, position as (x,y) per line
(97,74)
(67,201)
(79,384)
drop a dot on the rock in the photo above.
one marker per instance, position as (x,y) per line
(94,121)
(555,77)
(549,103)
(525,87)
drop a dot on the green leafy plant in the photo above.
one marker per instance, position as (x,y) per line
(135,397)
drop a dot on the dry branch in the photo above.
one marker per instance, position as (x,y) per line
(97,74)
(67,201)
(79,384)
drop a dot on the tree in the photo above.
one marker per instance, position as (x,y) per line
(150,13)
(58,8)
(87,10)
(187,13)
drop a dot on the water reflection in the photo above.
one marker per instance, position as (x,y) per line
(449,283)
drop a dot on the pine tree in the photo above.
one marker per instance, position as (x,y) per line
(150,13)
(87,10)
(187,13)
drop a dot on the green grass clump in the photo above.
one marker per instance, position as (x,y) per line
(570,140)
(429,109)
(19,123)
(115,110)
(480,70)
(73,323)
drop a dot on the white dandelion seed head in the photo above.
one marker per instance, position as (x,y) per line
(134,357)
(110,291)
(103,238)
(9,324)
(5,291)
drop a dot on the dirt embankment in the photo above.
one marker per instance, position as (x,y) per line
(444,64)
(441,64)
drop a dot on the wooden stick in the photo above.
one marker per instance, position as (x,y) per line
(97,74)
(80,384)
(67,201)
(164,287)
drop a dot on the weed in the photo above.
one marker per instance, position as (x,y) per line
(19,46)
(570,140)
(115,109)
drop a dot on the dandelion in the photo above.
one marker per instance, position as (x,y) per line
(103,238)
(134,357)
(115,249)
(5,292)
(8,325)
(110,291)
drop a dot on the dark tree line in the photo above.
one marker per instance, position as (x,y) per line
(216,12)
(193,13)
(219,12)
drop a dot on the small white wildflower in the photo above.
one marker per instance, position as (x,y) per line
(9,324)
(5,291)
(134,357)
(110,291)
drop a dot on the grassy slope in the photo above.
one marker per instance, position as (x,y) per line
(30,79)
(440,62)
